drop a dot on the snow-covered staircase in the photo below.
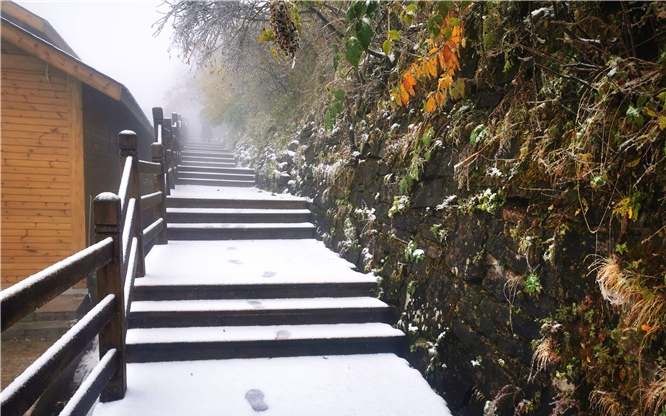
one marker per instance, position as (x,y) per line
(238,322)
(249,299)
(219,217)
(243,277)
(211,164)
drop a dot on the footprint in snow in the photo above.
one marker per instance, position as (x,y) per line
(268,274)
(283,334)
(256,304)
(234,261)
(256,399)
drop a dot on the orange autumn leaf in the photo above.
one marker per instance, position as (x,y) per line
(404,95)
(440,97)
(440,62)
(430,104)
(409,82)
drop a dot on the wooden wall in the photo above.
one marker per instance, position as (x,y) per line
(102,165)
(42,166)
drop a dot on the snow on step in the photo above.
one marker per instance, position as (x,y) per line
(368,385)
(240,226)
(247,262)
(254,304)
(259,333)
(245,211)
(205,192)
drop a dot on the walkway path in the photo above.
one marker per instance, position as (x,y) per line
(271,321)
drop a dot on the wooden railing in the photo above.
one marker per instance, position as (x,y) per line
(168,132)
(117,258)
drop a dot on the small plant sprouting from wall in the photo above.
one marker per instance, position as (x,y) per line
(413,253)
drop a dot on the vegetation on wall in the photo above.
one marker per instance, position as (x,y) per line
(418,128)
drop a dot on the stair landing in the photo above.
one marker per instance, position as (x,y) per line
(363,385)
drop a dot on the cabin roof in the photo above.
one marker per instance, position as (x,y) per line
(37,37)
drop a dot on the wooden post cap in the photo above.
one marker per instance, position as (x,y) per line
(128,141)
(158,114)
(106,209)
(157,150)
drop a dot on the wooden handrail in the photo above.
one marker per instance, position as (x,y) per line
(149,168)
(27,296)
(26,389)
(153,230)
(91,388)
(117,257)
(123,189)
(150,200)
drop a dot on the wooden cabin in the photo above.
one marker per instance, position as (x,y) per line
(60,118)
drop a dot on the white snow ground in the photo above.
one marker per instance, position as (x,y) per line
(363,385)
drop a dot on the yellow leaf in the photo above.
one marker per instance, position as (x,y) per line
(662,122)
(630,212)
(650,112)
(430,104)
(431,67)
(633,163)
(439,97)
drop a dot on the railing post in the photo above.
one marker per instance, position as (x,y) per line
(158,123)
(106,211)
(168,146)
(157,155)
(158,120)
(175,119)
(128,144)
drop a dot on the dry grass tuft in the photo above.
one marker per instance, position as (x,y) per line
(544,355)
(606,402)
(655,394)
(614,285)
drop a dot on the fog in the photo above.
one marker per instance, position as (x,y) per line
(116,38)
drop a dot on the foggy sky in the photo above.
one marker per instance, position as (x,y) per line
(116,38)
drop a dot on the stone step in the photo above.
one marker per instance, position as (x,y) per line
(280,290)
(186,158)
(208,153)
(186,180)
(235,215)
(185,161)
(197,168)
(247,203)
(247,312)
(225,342)
(240,231)
(183,173)
(207,146)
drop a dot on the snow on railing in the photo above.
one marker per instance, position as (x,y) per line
(117,258)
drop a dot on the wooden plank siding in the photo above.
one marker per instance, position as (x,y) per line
(41,158)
